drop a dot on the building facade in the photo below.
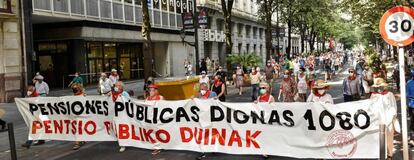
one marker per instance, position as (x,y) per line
(11,66)
(93,36)
(248,33)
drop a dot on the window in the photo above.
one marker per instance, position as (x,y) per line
(95,50)
(248,31)
(219,24)
(240,30)
(5,6)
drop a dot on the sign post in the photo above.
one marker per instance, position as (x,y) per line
(397,29)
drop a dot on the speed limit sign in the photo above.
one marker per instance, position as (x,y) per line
(397,26)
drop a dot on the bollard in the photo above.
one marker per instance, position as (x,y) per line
(382,142)
(12,142)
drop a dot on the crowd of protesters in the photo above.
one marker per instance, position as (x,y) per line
(297,78)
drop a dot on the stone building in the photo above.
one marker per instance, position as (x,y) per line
(11,55)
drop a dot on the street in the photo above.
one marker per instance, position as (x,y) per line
(54,150)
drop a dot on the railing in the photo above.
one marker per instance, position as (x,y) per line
(107,11)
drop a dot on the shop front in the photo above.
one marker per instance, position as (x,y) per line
(127,58)
(57,61)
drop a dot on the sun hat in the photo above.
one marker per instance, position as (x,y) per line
(39,77)
(380,82)
(320,84)
(153,86)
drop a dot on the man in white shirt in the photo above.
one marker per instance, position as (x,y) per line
(41,87)
(104,85)
(114,77)
(204,78)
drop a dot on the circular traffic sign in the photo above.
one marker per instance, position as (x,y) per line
(397,26)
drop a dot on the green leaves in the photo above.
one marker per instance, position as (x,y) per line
(246,60)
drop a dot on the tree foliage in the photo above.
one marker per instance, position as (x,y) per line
(246,60)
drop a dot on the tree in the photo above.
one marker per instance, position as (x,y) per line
(246,60)
(289,9)
(146,34)
(266,10)
(227,9)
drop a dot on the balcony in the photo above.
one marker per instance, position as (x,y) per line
(110,11)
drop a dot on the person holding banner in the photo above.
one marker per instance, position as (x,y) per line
(205,93)
(118,91)
(319,93)
(78,90)
(389,115)
(351,87)
(265,96)
(154,94)
(31,92)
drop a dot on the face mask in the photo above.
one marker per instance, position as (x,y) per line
(219,70)
(75,90)
(379,89)
(321,91)
(29,93)
(203,92)
(262,91)
(76,75)
(116,89)
(149,82)
(285,76)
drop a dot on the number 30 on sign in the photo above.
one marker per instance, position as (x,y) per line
(397,26)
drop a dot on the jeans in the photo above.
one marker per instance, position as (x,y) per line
(411,113)
(255,91)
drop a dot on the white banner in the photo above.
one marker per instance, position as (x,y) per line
(301,130)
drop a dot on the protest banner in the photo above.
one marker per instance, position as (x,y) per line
(301,130)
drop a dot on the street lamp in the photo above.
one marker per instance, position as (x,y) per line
(182,36)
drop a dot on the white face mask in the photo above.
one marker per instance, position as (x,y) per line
(29,93)
(116,89)
(321,91)
(285,76)
(203,92)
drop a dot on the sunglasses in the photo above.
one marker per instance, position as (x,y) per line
(262,87)
(351,72)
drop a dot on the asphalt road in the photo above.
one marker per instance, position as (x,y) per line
(62,150)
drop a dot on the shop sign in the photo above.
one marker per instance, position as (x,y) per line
(213,35)
(203,19)
(188,22)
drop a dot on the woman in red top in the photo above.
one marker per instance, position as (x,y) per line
(154,95)
(265,95)
(31,92)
